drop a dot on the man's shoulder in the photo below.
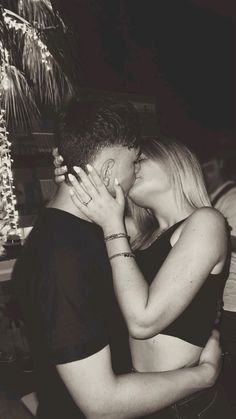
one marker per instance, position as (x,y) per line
(226,189)
(56,248)
(228,198)
(57,230)
(49,242)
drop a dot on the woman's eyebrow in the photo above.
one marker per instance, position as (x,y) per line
(139,153)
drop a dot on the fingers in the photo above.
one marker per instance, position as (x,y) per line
(60,179)
(77,202)
(119,192)
(88,186)
(78,190)
(95,176)
(55,152)
(60,170)
(59,174)
(58,161)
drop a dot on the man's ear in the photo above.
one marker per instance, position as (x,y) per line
(106,171)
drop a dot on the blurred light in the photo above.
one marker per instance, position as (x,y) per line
(5,82)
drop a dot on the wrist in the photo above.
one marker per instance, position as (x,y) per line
(114,228)
(208,374)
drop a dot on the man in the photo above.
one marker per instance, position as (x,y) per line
(222,190)
(64,283)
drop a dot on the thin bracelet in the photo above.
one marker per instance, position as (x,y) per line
(116,236)
(124,254)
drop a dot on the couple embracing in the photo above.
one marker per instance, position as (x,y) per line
(120,311)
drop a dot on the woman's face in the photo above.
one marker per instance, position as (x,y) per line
(151,180)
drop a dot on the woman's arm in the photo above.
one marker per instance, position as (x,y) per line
(202,246)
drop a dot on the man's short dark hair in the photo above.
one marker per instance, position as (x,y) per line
(86,127)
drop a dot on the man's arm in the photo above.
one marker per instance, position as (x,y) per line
(227,206)
(100,394)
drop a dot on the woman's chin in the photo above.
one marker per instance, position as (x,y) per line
(136,198)
(131,193)
(136,193)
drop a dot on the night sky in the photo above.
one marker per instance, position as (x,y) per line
(179,51)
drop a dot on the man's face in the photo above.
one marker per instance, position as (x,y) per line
(212,174)
(124,169)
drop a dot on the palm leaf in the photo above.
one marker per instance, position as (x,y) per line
(29,61)
(42,69)
(37,12)
(18,99)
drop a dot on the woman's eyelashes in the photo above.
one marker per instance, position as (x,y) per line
(140,159)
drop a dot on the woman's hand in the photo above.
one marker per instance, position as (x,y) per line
(59,170)
(211,356)
(92,198)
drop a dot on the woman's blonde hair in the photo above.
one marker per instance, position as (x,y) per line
(186,178)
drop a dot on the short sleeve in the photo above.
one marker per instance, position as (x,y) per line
(73,320)
(228,209)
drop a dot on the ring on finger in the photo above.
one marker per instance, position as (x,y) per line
(86,203)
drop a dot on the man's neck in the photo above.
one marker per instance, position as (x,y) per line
(63,201)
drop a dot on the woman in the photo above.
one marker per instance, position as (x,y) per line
(170,291)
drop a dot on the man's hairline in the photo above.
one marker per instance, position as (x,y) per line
(114,146)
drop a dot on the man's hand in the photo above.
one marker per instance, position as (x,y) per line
(211,359)
(59,170)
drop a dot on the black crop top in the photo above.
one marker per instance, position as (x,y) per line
(196,322)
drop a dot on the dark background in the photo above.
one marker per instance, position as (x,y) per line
(179,51)
(175,54)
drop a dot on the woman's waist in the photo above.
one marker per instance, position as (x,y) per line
(163,353)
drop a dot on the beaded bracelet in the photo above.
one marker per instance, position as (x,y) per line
(116,236)
(124,254)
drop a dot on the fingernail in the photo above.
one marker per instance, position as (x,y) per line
(77,169)
(64,167)
(71,177)
(116,181)
(89,167)
(61,158)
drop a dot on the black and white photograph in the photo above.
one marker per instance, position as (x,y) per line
(117,209)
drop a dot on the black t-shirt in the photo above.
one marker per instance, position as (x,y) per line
(63,281)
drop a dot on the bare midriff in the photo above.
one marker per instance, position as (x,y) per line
(163,353)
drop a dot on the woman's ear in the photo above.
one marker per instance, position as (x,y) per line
(106,171)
